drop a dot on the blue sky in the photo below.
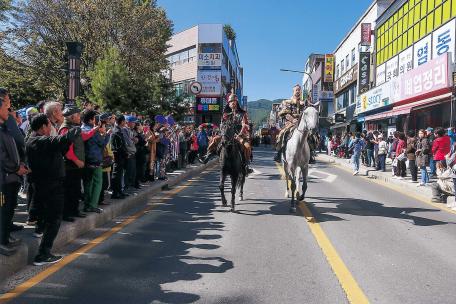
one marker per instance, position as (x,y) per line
(272,34)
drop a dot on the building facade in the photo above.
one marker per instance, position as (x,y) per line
(353,68)
(205,57)
(415,47)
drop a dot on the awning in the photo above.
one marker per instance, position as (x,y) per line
(339,125)
(406,108)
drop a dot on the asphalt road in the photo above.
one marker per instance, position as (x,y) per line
(189,249)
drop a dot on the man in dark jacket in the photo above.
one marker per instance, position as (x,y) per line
(12,170)
(119,148)
(45,157)
(93,173)
(74,163)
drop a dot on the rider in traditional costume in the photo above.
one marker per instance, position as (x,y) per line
(290,112)
(234,114)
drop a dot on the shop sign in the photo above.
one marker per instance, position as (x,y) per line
(326,96)
(364,72)
(211,82)
(208,104)
(424,79)
(443,40)
(422,51)
(381,74)
(366,31)
(209,59)
(315,92)
(329,68)
(375,98)
(406,61)
(392,68)
(339,117)
(345,80)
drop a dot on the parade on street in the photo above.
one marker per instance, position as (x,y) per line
(241,152)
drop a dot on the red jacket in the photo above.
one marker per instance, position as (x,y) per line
(441,147)
(400,147)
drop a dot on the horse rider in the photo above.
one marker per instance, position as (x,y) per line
(238,117)
(290,112)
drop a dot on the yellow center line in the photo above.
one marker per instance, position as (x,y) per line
(351,288)
(20,289)
(399,189)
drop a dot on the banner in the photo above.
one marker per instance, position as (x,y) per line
(209,59)
(329,68)
(443,40)
(406,61)
(422,51)
(364,72)
(424,79)
(381,74)
(392,68)
(211,82)
(208,104)
(366,30)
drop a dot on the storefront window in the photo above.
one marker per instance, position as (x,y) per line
(343,100)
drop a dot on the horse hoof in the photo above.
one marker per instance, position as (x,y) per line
(293,210)
(224,204)
(241,198)
(232,209)
(301,198)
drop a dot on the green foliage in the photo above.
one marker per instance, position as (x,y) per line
(137,29)
(229,32)
(110,82)
(260,110)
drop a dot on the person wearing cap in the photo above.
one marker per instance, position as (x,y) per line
(74,162)
(29,113)
(93,173)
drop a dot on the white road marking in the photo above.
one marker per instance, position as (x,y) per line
(329,178)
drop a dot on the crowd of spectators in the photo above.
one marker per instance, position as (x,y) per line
(425,154)
(64,159)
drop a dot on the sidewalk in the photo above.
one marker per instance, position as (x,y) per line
(424,192)
(70,231)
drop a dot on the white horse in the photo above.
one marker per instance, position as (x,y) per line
(297,155)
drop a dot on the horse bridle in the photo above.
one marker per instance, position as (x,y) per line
(300,117)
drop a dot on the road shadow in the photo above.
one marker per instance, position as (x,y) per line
(362,207)
(173,243)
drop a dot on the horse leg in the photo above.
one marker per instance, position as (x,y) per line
(304,172)
(293,190)
(222,188)
(241,194)
(234,180)
(287,192)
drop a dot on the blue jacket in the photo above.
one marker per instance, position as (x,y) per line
(94,147)
(357,145)
(202,139)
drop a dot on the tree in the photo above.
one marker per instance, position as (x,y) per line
(139,30)
(110,82)
(229,32)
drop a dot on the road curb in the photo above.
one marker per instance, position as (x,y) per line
(70,231)
(424,192)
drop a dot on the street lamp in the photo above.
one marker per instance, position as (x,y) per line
(300,72)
